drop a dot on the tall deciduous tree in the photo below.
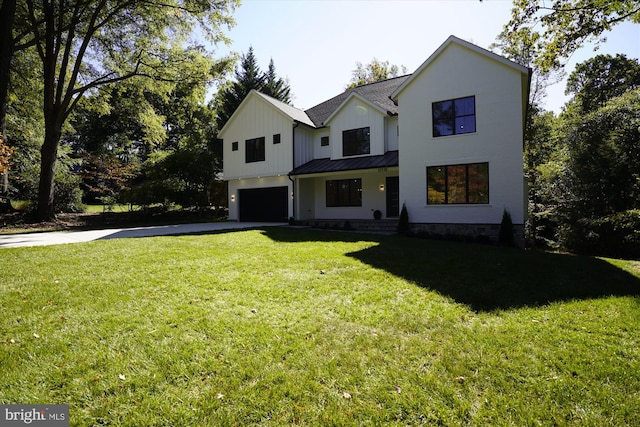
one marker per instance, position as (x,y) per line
(83,44)
(7,15)
(602,78)
(374,71)
(563,26)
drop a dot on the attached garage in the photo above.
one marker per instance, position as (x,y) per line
(264,204)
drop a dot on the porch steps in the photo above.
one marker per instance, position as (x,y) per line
(367,225)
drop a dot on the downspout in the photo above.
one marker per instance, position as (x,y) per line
(293,163)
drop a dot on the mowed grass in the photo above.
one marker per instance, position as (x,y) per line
(302,327)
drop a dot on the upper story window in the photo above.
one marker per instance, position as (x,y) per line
(254,150)
(324,141)
(234,146)
(458,184)
(276,138)
(454,116)
(355,142)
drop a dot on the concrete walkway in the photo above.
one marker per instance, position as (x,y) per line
(63,237)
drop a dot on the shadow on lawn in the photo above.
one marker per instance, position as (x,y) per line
(484,277)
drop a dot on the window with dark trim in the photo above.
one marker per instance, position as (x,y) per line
(254,150)
(344,192)
(276,138)
(355,142)
(324,141)
(454,116)
(458,184)
(234,146)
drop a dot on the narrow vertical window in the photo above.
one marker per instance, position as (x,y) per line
(276,138)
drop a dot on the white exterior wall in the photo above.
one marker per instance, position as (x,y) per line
(373,198)
(320,152)
(255,119)
(238,184)
(391,134)
(356,114)
(305,141)
(460,72)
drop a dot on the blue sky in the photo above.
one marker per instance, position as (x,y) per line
(316,44)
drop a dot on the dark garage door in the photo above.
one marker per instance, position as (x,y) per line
(264,204)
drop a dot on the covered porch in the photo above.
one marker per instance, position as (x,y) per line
(362,188)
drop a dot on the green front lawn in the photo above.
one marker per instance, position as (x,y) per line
(289,326)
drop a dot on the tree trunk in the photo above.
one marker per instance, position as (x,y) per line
(7,16)
(49,156)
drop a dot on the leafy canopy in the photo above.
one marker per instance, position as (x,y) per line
(559,28)
(374,71)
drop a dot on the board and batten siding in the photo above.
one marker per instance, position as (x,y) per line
(356,114)
(304,145)
(498,140)
(258,119)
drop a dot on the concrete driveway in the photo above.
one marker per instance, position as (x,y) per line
(63,237)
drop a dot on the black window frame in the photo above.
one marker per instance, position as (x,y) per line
(455,117)
(343,193)
(254,150)
(356,142)
(324,141)
(234,146)
(276,138)
(440,191)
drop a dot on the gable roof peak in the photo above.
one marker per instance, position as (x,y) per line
(465,44)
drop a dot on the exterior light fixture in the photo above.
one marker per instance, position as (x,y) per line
(233,198)
(381,187)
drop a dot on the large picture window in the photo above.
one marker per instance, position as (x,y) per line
(454,116)
(344,192)
(355,142)
(458,184)
(254,150)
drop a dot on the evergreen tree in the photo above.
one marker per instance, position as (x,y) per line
(275,86)
(247,77)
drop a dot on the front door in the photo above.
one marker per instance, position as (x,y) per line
(393,197)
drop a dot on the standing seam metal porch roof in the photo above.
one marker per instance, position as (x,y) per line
(387,160)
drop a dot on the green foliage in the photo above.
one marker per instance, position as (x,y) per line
(403,222)
(67,192)
(248,77)
(603,165)
(86,45)
(374,71)
(559,28)
(162,133)
(616,235)
(602,78)
(601,179)
(506,235)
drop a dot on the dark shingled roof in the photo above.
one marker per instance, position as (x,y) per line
(389,159)
(377,93)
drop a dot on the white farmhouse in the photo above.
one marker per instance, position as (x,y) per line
(445,141)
